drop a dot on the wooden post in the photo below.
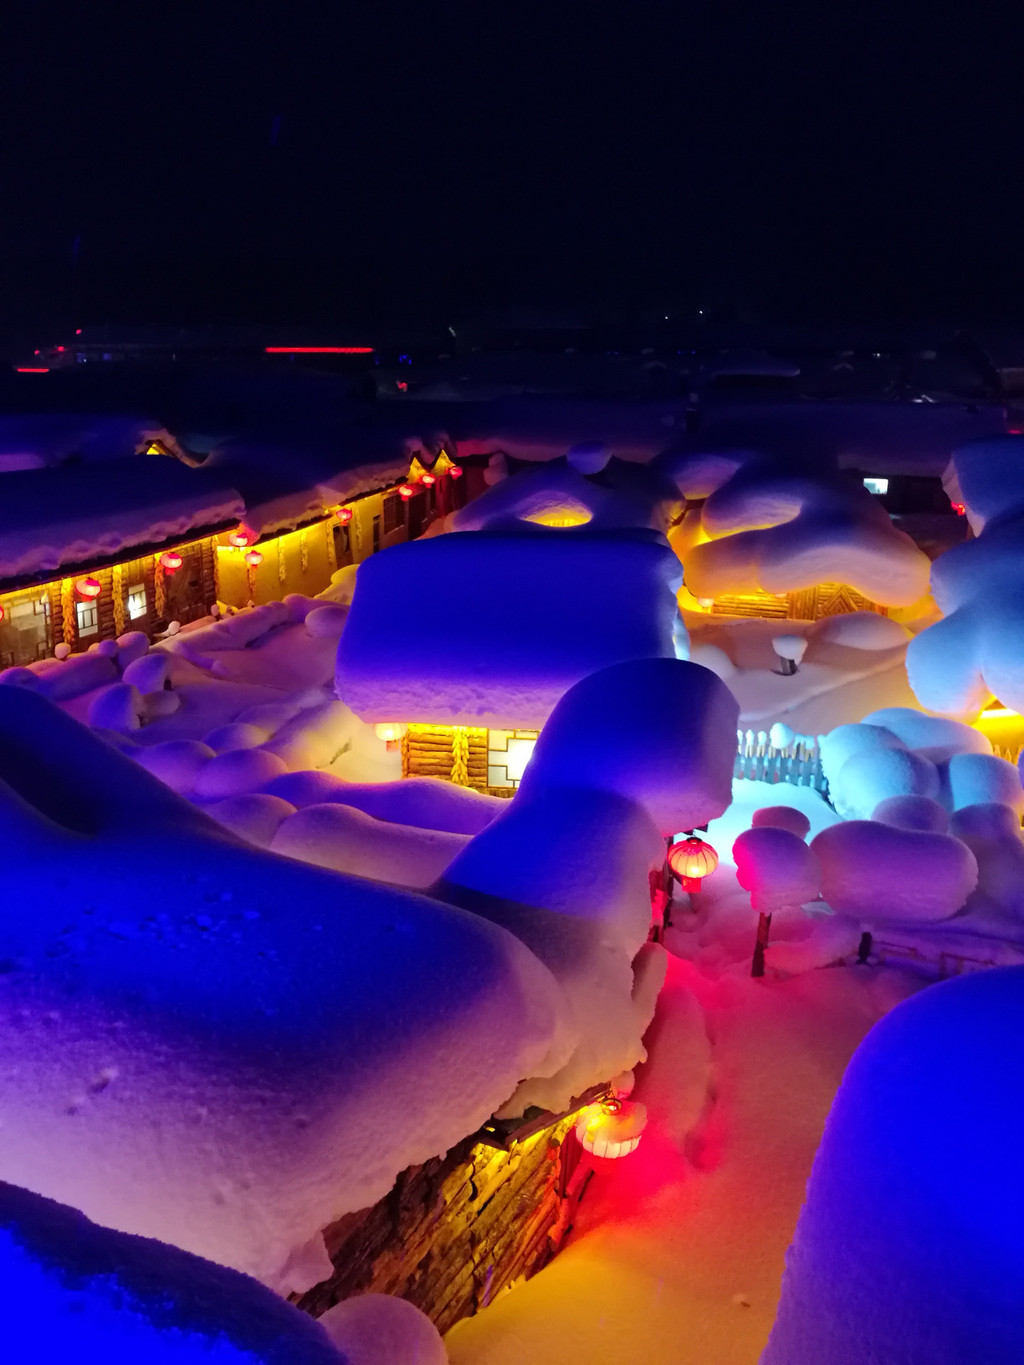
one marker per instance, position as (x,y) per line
(760,944)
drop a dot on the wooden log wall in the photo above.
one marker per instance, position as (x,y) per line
(431,753)
(455,1232)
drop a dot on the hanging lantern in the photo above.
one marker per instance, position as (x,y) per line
(428,480)
(344,515)
(405,491)
(89,588)
(690,860)
(612,1128)
(3,613)
(241,538)
(959,508)
(455,472)
(253,559)
(171,561)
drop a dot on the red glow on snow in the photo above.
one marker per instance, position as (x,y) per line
(33,369)
(318,350)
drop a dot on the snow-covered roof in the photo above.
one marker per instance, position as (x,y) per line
(51,519)
(38,440)
(474,628)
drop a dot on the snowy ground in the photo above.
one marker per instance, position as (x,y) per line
(678,1251)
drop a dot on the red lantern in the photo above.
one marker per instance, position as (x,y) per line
(171,561)
(89,588)
(428,480)
(344,515)
(959,508)
(253,559)
(612,1128)
(690,860)
(2,612)
(241,538)
(405,491)
(456,471)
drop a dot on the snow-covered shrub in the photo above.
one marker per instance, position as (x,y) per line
(81,673)
(176,762)
(913,812)
(993,834)
(880,873)
(777,868)
(326,623)
(62,651)
(236,772)
(781,736)
(151,673)
(160,704)
(117,707)
(131,646)
(874,774)
(380,1329)
(844,741)
(975,779)
(933,737)
(908,1246)
(782,817)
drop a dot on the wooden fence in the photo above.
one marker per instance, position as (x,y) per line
(797,764)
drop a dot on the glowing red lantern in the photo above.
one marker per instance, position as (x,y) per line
(171,561)
(959,508)
(405,491)
(456,471)
(253,559)
(240,538)
(2,612)
(612,1128)
(89,588)
(344,515)
(690,860)
(428,480)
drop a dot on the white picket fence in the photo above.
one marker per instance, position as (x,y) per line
(798,763)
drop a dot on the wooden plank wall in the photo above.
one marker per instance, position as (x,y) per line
(455,1232)
(430,753)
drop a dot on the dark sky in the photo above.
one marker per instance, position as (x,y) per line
(327,161)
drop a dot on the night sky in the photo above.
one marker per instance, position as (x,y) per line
(382,162)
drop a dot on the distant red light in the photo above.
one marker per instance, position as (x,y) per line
(60,348)
(78,331)
(1015,431)
(428,480)
(405,491)
(33,369)
(959,508)
(318,350)
(402,385)
(456,471)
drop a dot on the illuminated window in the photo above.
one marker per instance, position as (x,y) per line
(877,485)
(137,601)
(394,513)
(508,752)
(88,618)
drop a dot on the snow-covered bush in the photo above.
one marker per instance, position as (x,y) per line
(913,812)
(326,623)
(782,817)
(880,873)
(875,774)
(777,868)
(975,779)
(149,673)
(993,834)
(117,707)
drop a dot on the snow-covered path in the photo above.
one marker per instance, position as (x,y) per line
(678,1251)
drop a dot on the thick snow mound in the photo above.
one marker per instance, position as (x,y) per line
(238,735)
(224,1048)
(346,840)
(253,817)
(427,802)
(976,779)
(580,901)
(176,762)
(874,774)
(660,732)
(880,873)
(933,737)
(378,1329)
(558,496)
(993,834)
(908,1245)
(117,707)
(845,741)
(74,1291)
(782,817)
(588,457)
(506,645)
(326,623)
(148,673)
(863,630)
(236,772)
(714,658)
(777,868)
(913,812)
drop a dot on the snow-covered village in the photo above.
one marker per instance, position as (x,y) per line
(512,829)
